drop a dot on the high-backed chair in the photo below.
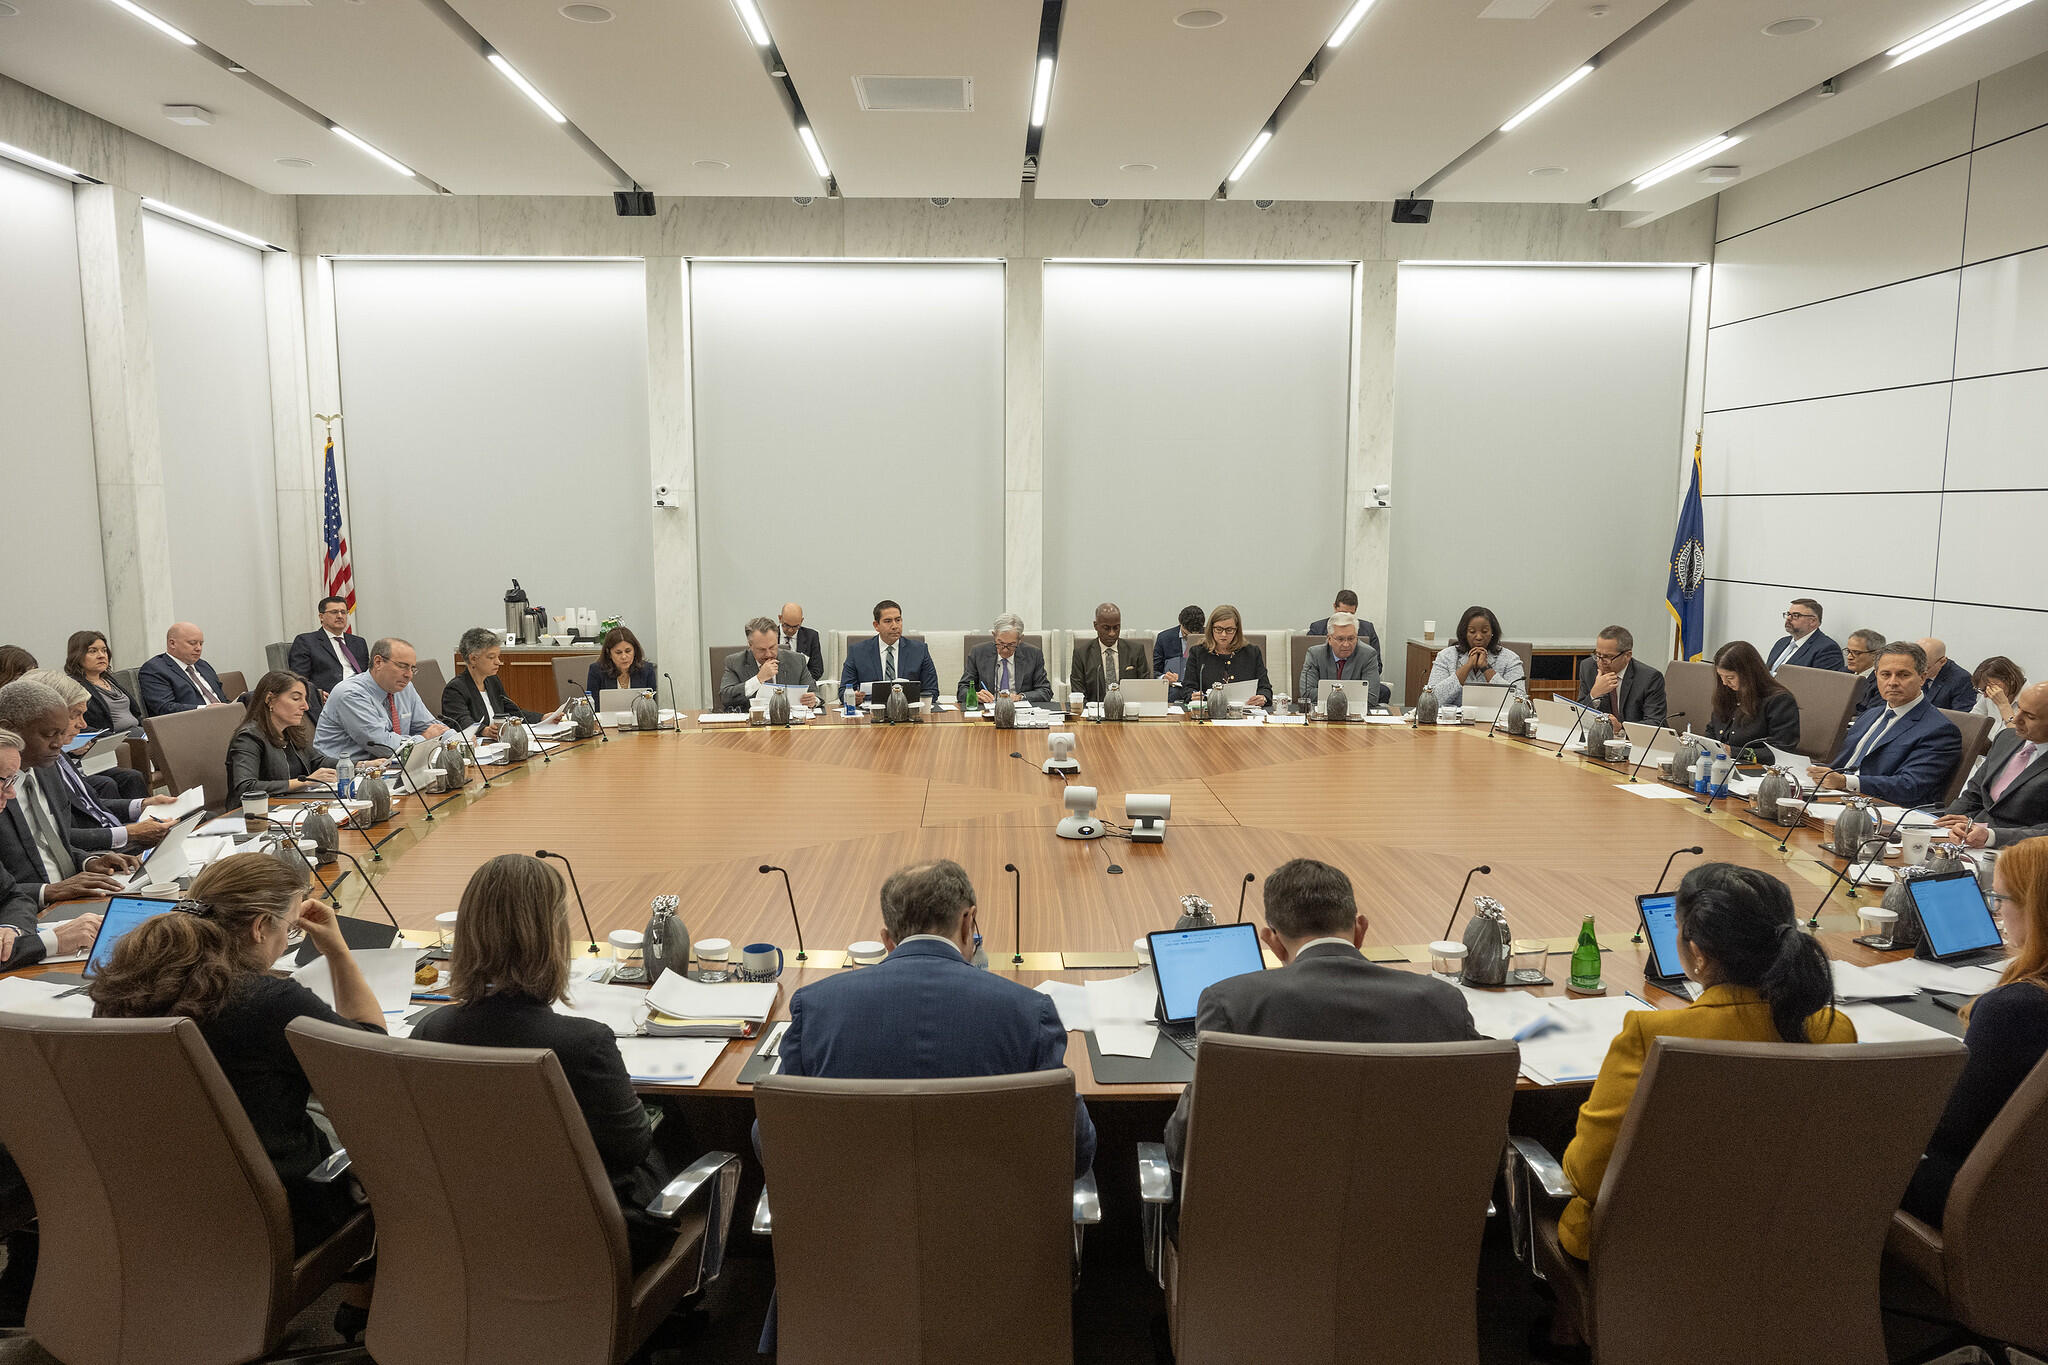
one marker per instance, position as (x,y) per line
(1739,1247)
(1298,647)
(572,671)
(233,685)
(194,747)
(1983,1269)
(1366,1219)
(499,1237)
(875,1216)
(1976,739)
(975,639)
(429,681)
(129,680)
(1825,697)
(1689,691)
(718,655)
(277,655)
(166,1237)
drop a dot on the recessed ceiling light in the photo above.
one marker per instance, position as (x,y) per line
(709,165)
(1550,170)
(1199,18)
(1788,28)
(587,14)
(1137,166)
(297,163)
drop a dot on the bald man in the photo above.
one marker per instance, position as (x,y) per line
(179,679)
(1948,685)
(2006,800)
(799,638)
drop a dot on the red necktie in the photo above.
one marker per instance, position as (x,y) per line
(391,700)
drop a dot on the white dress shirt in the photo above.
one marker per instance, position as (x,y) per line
(1792,652)
(340,648)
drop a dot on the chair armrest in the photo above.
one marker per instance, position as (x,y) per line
(1155,1173)
(1087,1199)
(764,1221)
(332,1169)
(722,1167)
(1538,1161)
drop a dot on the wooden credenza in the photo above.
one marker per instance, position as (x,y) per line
(1553,669)
(528,673)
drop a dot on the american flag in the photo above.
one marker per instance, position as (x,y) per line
(341,580)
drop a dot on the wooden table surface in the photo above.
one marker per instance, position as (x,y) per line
(841,804)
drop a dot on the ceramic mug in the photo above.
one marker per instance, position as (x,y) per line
(760,962)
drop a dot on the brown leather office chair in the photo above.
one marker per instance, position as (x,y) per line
(718,655)
(194,747)
(233,686)
(166,1238)
(1297,652)
(1976,739)
(1985,1267)
(1689,691)
(1826,698)
(430,682)
(887,1191)
(499,1238)
(1744,1212)
(1358,1239)
(572,671)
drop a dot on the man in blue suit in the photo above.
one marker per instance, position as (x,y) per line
(178,679)
(1948,684)
(1347,601)
(1803,642)
(886,656)
(1902,750)
(1174,642)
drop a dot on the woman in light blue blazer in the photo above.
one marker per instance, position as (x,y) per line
(1476,657)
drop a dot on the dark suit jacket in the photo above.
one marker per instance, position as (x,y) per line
(807,644)
(1866,694)
(18,912)
(602,677)
(313,659)
(1818,652)
(1329,994)
(1778,726)
(2025,802)
(913,664)
(1166,647)
(1204,670)
(256,765)
(1027,672)
(89,830)
(1085,676)
(462,706)
(1365,632)
(1950,687)
(791,669)
(1910,765)
(18,855)
(924,1013)
(166,690)
(1641,695)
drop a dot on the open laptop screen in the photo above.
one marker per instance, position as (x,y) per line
(122,914)
(1953,914)
(1187,962)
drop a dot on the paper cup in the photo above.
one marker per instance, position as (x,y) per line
(1142,946)
(1913,846)
(256,807)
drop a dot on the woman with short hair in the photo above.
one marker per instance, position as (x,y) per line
(475,696)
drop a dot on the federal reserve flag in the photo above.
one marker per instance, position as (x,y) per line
(1685,591)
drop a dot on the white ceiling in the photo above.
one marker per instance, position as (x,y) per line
(669,84)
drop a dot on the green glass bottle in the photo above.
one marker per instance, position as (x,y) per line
(970,699)
(1585,974)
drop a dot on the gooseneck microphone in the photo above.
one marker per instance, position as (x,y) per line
(543,853)
(673,705)
(1696,851)
(1801,821)
(1666,725)
(766,868)
(1017,905)
(344,853)
(1460,901)
(1248,880)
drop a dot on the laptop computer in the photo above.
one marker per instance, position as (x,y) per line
(1357,696)
(1956,926)
(163,865)
(1486,702)
(418,771)
(1143,696)
(1186,962)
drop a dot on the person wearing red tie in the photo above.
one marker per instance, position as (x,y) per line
(325,656)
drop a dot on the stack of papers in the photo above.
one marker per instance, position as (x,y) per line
(189,800)
(622,1009)
(1571,1041)
(670,1061)
(553,729)
(1876,1024)
(33,995)
(678,1007)
(1122,1011)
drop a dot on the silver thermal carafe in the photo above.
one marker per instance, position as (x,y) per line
(515,609)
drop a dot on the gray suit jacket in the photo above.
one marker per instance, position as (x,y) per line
(1085,676)
(1329,994)
(1027,672)
(2025,803)
(791,667)
(1321,663)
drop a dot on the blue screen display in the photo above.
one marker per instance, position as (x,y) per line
(1954,915)
(1660,926)
(1189,961)
(122,914)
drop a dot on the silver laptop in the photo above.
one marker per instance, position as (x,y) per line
(1143,696)
(1357,695)
(1484,701)
(418,769)
(615,706)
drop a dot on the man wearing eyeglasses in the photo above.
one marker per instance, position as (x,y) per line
(1611,682)
(1859,656)
(2006,802)
(370,714)
(1803,643)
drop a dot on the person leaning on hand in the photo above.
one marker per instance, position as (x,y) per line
(765,662)
(2007,799)
(1476,657)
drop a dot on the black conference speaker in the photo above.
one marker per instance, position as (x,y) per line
(635,203)
(1409,210)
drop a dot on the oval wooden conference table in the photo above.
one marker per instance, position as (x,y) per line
(696,811)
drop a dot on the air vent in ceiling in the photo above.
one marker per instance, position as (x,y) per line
(1514,9)
(915,94)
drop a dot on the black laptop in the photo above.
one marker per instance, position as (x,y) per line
(1186,962)
(1956,926)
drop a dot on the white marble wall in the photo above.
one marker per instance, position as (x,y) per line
(672,459)
(295,446)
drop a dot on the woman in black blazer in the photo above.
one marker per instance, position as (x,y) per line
(273,752)
(1750,706)
(476,694)
(1223,657)
(107,707)
(510,966)
(621,666)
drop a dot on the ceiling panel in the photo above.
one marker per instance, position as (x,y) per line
(975,155)
(660,86)
(1133,87)
(394,74)
(93,56)
(1421,81)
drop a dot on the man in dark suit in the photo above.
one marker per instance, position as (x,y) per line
(325,656)
(765,660)
(1611,682)
(178,679)
(1006,666)
(24,939)
(1803,643)
(1347,603)
(1106,656)
(1859,656)
(886,656)
(1324,991)
(37,849)
(801,639)
(2007,800)
(1175,642)
(1903,751)
(1948,684)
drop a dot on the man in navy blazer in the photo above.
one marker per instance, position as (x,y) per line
(178,679)
(1347,601)
(1803,643)
(886,655)
(1903,750)
(1175,641)
(799,638)
(1948,684)
(325,656)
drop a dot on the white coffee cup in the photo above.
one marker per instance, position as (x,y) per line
(1446,958)
(1429,630)
(1913,846)
(714,958)
(866,952)
(256,807)
(1142,946)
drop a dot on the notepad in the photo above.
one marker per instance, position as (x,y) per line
(670,1061)
(189,800)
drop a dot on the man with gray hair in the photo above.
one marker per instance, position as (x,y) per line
(767,661)
(372,714)
(1006,667)
(1903,751)
(1611,682)
(1342,657)
(1859,656)
(37,848)
(24,939)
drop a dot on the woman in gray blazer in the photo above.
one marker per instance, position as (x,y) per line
(1477,657)
(273,752)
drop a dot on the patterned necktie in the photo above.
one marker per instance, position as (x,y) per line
(44,827)
(2014,771)
(206,694)
(889,664)
(1003,677)
(100,814)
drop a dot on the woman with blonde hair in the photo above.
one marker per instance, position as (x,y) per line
(2008,1028)
(1224,657)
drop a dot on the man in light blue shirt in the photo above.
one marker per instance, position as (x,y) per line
(371,714)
